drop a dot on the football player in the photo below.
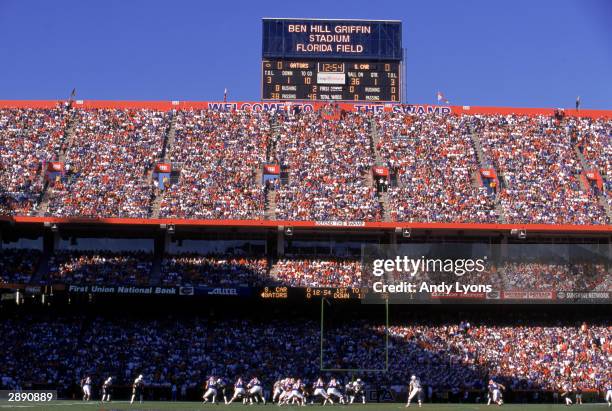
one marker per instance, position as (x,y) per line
(137,389)
(107,388)
(358,389)
(415,390)
(211,389)
(256,391)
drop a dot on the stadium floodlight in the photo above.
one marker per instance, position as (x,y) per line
(288,231)
(171,229)
(406,232)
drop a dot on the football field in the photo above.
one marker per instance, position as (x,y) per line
(192,406)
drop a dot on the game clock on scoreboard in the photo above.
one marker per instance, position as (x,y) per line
(298,293)
(367,81)
(338,293)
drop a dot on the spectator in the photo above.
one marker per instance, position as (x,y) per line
(110,157)
(29,138)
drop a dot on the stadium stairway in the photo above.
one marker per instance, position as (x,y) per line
(500,211)
(270,201)
(384,197)
(258,176)
(156,206)
(369,179)
(271,142)
(384,201)
(476,183)
(270,213)
(483,162)
(168,144)
(586,166)
(374,141)
(169,138)
(45,196)
(482,159)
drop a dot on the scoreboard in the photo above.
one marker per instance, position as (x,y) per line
(356,80)
(331,60)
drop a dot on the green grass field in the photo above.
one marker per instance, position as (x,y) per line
(193,406)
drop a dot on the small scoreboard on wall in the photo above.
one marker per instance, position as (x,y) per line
(331,60)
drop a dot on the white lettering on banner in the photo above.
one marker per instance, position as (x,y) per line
(341,223)
(375,108)
(223,291)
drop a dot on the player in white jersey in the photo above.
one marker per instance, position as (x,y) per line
(296,394)
(415,390)
(319,391)
(107,389)
(277,390)
(609,395)
(137,389)
(358,389)
(286,387)
(211,390)
(495,394)
(239,391)
(333,391)
(567,394)
(256,391)
(86,386)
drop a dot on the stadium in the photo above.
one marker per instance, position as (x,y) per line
(328,244)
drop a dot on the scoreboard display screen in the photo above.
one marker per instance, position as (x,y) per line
(330,80)
(331,60)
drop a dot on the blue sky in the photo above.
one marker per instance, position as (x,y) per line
(491,52)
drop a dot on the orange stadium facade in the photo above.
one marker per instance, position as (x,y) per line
(310,106)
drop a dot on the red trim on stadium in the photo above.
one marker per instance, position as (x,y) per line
(169,105)
(312,224)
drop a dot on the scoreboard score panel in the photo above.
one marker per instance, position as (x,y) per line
(332,80)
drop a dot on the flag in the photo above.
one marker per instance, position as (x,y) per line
(73,93)
(578,103)
(225,95)
(441,98)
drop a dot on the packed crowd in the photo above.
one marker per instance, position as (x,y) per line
(108,161)
(189,269)
(555,277)
(594,138)
(29,138)
(219,154)
(218,157)
(17,266)
(100,267)
(535,157)
(298,272)
(219,270)
(328,162)
(435,163)
(185,351)
(521,356)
